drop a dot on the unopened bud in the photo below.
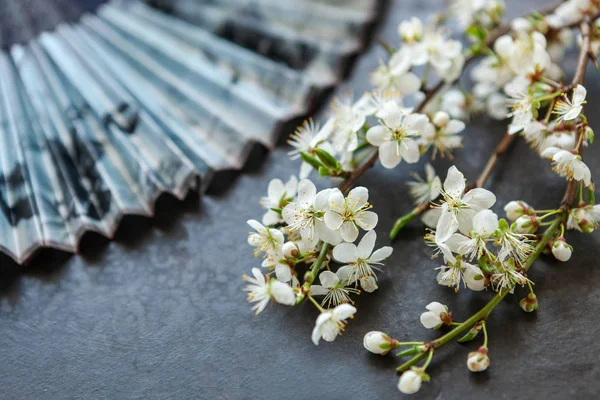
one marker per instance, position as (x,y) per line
(515,209)
(561,249)
(441,119)
(478,361)
(290,250)
(525,224)
(529,303)
(379,343)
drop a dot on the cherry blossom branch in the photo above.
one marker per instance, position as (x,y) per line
(489,307)
(584,57)
(550,232)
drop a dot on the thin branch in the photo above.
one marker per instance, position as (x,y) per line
(584,57)
(500,149)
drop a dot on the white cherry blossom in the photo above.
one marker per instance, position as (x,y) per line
(435,315)
(444,135)
(424,190)
(266,240)
(458,208)
(261,290)
(306,214)
(361,260)
(333,288)
(379,343)
(562,250)
(568,110)
(307,138)
(396,136)
(569,165)
(331,323)
(350,213)
(411,31)
(584,219)
(278,195)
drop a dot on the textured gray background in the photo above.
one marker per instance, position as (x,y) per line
(159,312)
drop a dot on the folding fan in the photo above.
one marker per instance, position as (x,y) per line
(102,115)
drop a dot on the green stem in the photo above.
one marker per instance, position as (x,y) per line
(429,357)
(312,300)
(405,219)
(312,273)
(489,307)
(485,335)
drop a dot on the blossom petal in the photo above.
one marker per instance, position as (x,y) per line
(366,245)
(345,253)
(446,226)
(333,220)
(378,135)
(436,307)
(381,254)
(283,273)
(358,197)
(430,320)
(485,222)
(408,83)
(349,231)
(479,199)
(328,279)
(306,192)
(431,217)
(318,290)
(343,311)
(409,150)
(388,155)
(454,184)
(367,220)
(275,189)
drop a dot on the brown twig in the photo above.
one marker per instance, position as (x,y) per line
(584,57)
(500,149)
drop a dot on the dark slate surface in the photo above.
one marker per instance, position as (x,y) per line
(159,313)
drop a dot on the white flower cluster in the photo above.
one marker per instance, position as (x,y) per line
(300,221)
(380,118)
(571,11)
(464,231)
(477,13)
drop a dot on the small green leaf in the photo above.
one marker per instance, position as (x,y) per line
(316,164)
(327,159)
(277,210)
(473,332)
(324,171)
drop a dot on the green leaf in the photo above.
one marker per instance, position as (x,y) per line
(277,210)
(324,171)
(316,164)
(327,159)
(473,332)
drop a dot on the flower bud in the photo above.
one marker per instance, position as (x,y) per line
(411,31)
(529,303)
(525,224)
(410,382)
(521,25)
(478,361)
(290,250)
(586,225)
(441,119)
(515,209)
(379,343)
(561,250)
(436,316)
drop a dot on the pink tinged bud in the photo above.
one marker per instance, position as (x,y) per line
(478,361)
(561,250)
(529,303)
(379,343)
